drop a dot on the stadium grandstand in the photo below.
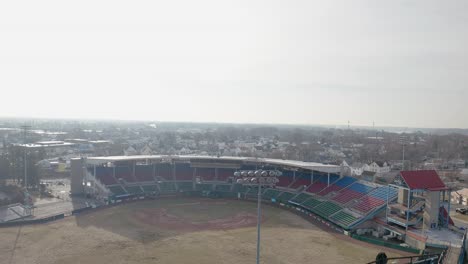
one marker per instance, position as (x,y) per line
(320,190)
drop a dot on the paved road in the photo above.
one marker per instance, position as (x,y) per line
(458,222)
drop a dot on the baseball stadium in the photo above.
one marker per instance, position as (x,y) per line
(196,209)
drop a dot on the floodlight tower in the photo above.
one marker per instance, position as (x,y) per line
(259,178)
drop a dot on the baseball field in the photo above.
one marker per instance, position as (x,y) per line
(181,230)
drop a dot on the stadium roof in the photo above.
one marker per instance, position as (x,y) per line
(423,180)
(292,163)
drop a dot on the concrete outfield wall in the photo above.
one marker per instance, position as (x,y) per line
(386,244)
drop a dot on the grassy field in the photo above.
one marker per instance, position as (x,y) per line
(221,231)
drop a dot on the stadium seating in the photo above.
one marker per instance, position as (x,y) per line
(248,167)
(361,188)
(311,203)
(302,179)
(104,175)
(185,186)
(183,172)
(344,219)
(318,185)
(167,187)
(164,170)
(355,191)
(327,208)
(345,181)
(285,197)
(134,189)
(382,192)
(344,201)
(150,188)
(236,188)
(375,199)
(286,179)
(206,174)
(223,187)
(367,203)
(204,187)
(125,173)
(270,194)
(117,190)
(337,186)
(224,174)
(300,198)
(144,173)
(252,191)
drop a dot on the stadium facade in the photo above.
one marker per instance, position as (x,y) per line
(353,206)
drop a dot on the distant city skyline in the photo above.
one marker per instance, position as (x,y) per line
(395,63)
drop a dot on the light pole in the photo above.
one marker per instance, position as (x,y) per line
(267,178)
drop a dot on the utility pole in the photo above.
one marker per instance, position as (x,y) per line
(25,130)
(403,143)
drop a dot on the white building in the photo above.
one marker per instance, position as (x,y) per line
(375,167)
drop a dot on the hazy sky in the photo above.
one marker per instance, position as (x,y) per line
(398,63)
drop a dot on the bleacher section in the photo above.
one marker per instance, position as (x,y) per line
(183,172)
(375,199)
(204,187)
(224,174)
(134,189)
(248,167)
(355,191)
(252,191)
(285,197)
(337,186)
(344,201)
(311,203)
(271,194)
(185,186)
(300,198)
(223,187)
(117,190)
(344,219)
(150,188)
(164,170)
(104,175)
(302,179)
(327,208)
(125,173)
(144,173)
(286,179)
(318,185)
(167,187)
(236,188)
(206,174)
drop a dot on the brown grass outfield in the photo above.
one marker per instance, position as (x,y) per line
(117,235)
